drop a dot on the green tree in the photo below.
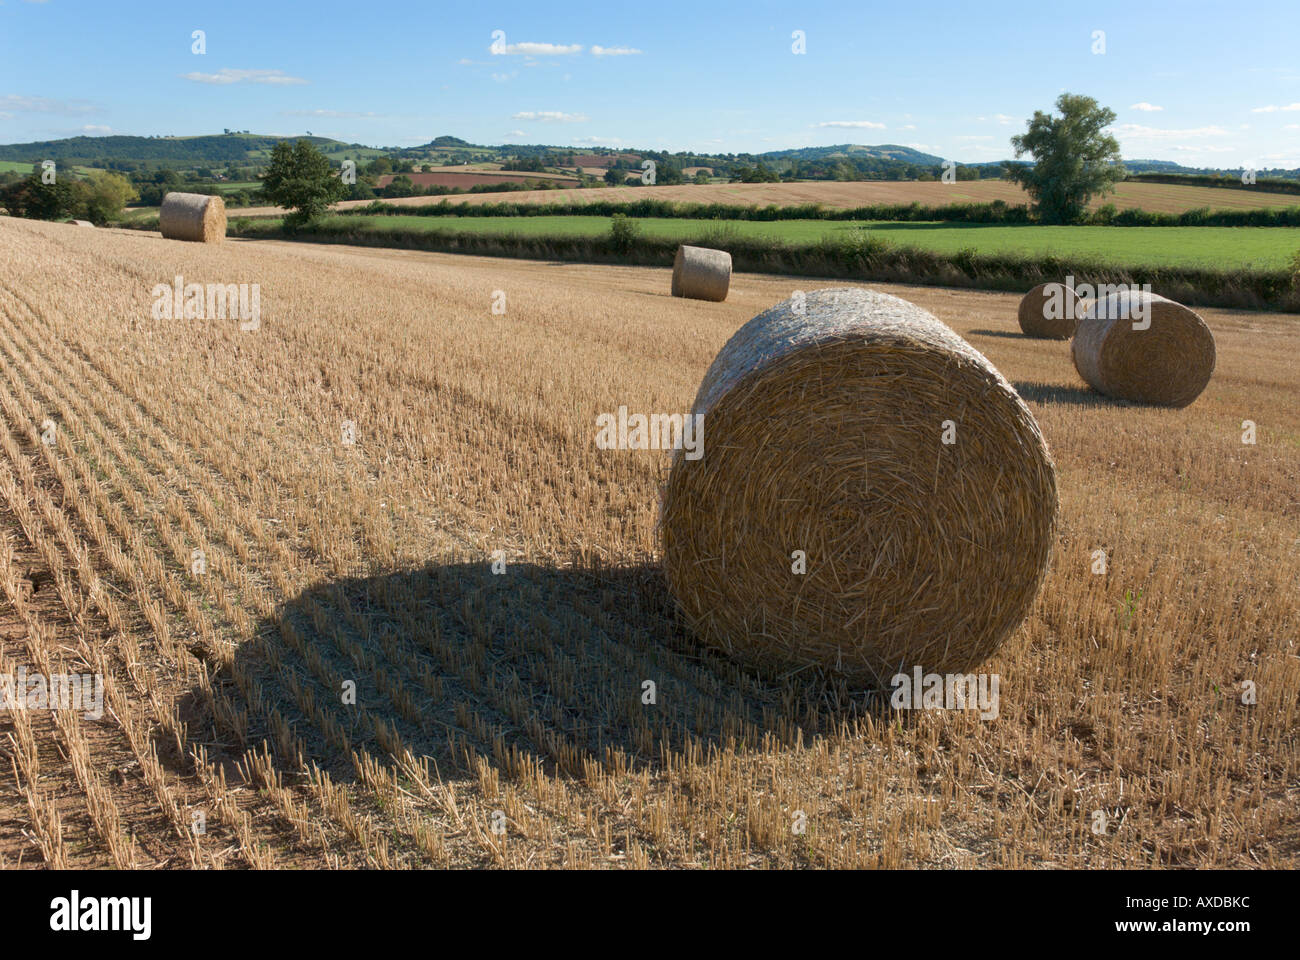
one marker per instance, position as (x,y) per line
(105,194)
(615,177)
(32,198)
(300,178)
(1074,158)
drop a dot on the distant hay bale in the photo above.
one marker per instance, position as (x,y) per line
(701,274)
(1050,311)
(193,216)
(79,223)
(1168,363)
(853,432)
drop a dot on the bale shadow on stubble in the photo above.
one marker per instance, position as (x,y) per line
(1055,393)
(550,662)
(1009,334)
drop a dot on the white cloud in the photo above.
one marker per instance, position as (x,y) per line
(1145,107)
(229,75)
(1136,131)
(614,141)
(1292,126)
(864,124)
(503,77)
(551,116)
(515,133)
(1003,119)
(534,49)
(1199,148)
(614,51)
(96,130)
(1273,108)
(19,104)
(974,137)
(908,126)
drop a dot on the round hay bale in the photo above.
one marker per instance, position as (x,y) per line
(1050,311)
(1168,363)
(825,433)
(701,274)
(79,223)
(193,216)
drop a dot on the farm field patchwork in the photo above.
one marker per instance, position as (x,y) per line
(1155,197)
(516,698)
(1265,248)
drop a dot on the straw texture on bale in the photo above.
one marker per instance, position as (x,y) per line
(701,274)
(824,432)
(193,216)
(1167,364)
(80,223)
(1034,313)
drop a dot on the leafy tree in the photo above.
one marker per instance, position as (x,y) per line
(104,196)
(299,177)
(701,176)
(1074,158)
(615,177)
(33,199)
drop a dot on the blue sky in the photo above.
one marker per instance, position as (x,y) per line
(1196,82)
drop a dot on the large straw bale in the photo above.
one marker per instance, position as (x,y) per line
(1168,362)
(824,427)
(701,274)
(193,216)
(1050,311)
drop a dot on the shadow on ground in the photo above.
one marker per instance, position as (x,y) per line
(1055,393)
(1008,334)
(551,663)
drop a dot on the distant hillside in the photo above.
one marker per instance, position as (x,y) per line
(885,151)
(217,150)
(249,151)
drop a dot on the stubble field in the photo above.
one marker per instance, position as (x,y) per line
(498,718)
(1153,197)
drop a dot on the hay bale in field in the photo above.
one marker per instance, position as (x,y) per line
(1167,363)
(701,274)
(1050,311)
(193,216)
(865,434)
(79,223)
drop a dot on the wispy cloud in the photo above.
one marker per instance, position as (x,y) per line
(530,49)
(96,130)
(228,75)
(551,116)
(908,126)
(1136,131)
(13,103)
(597,51)
(613,141)
(1274,108)
(1145,107)
(974,136)
(863,124)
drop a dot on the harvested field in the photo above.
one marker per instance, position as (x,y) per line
(516,699)
(477,179)
(1155,197)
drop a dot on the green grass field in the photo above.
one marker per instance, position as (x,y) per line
(1258,247)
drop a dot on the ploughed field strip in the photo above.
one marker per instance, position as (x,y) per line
(305,650)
